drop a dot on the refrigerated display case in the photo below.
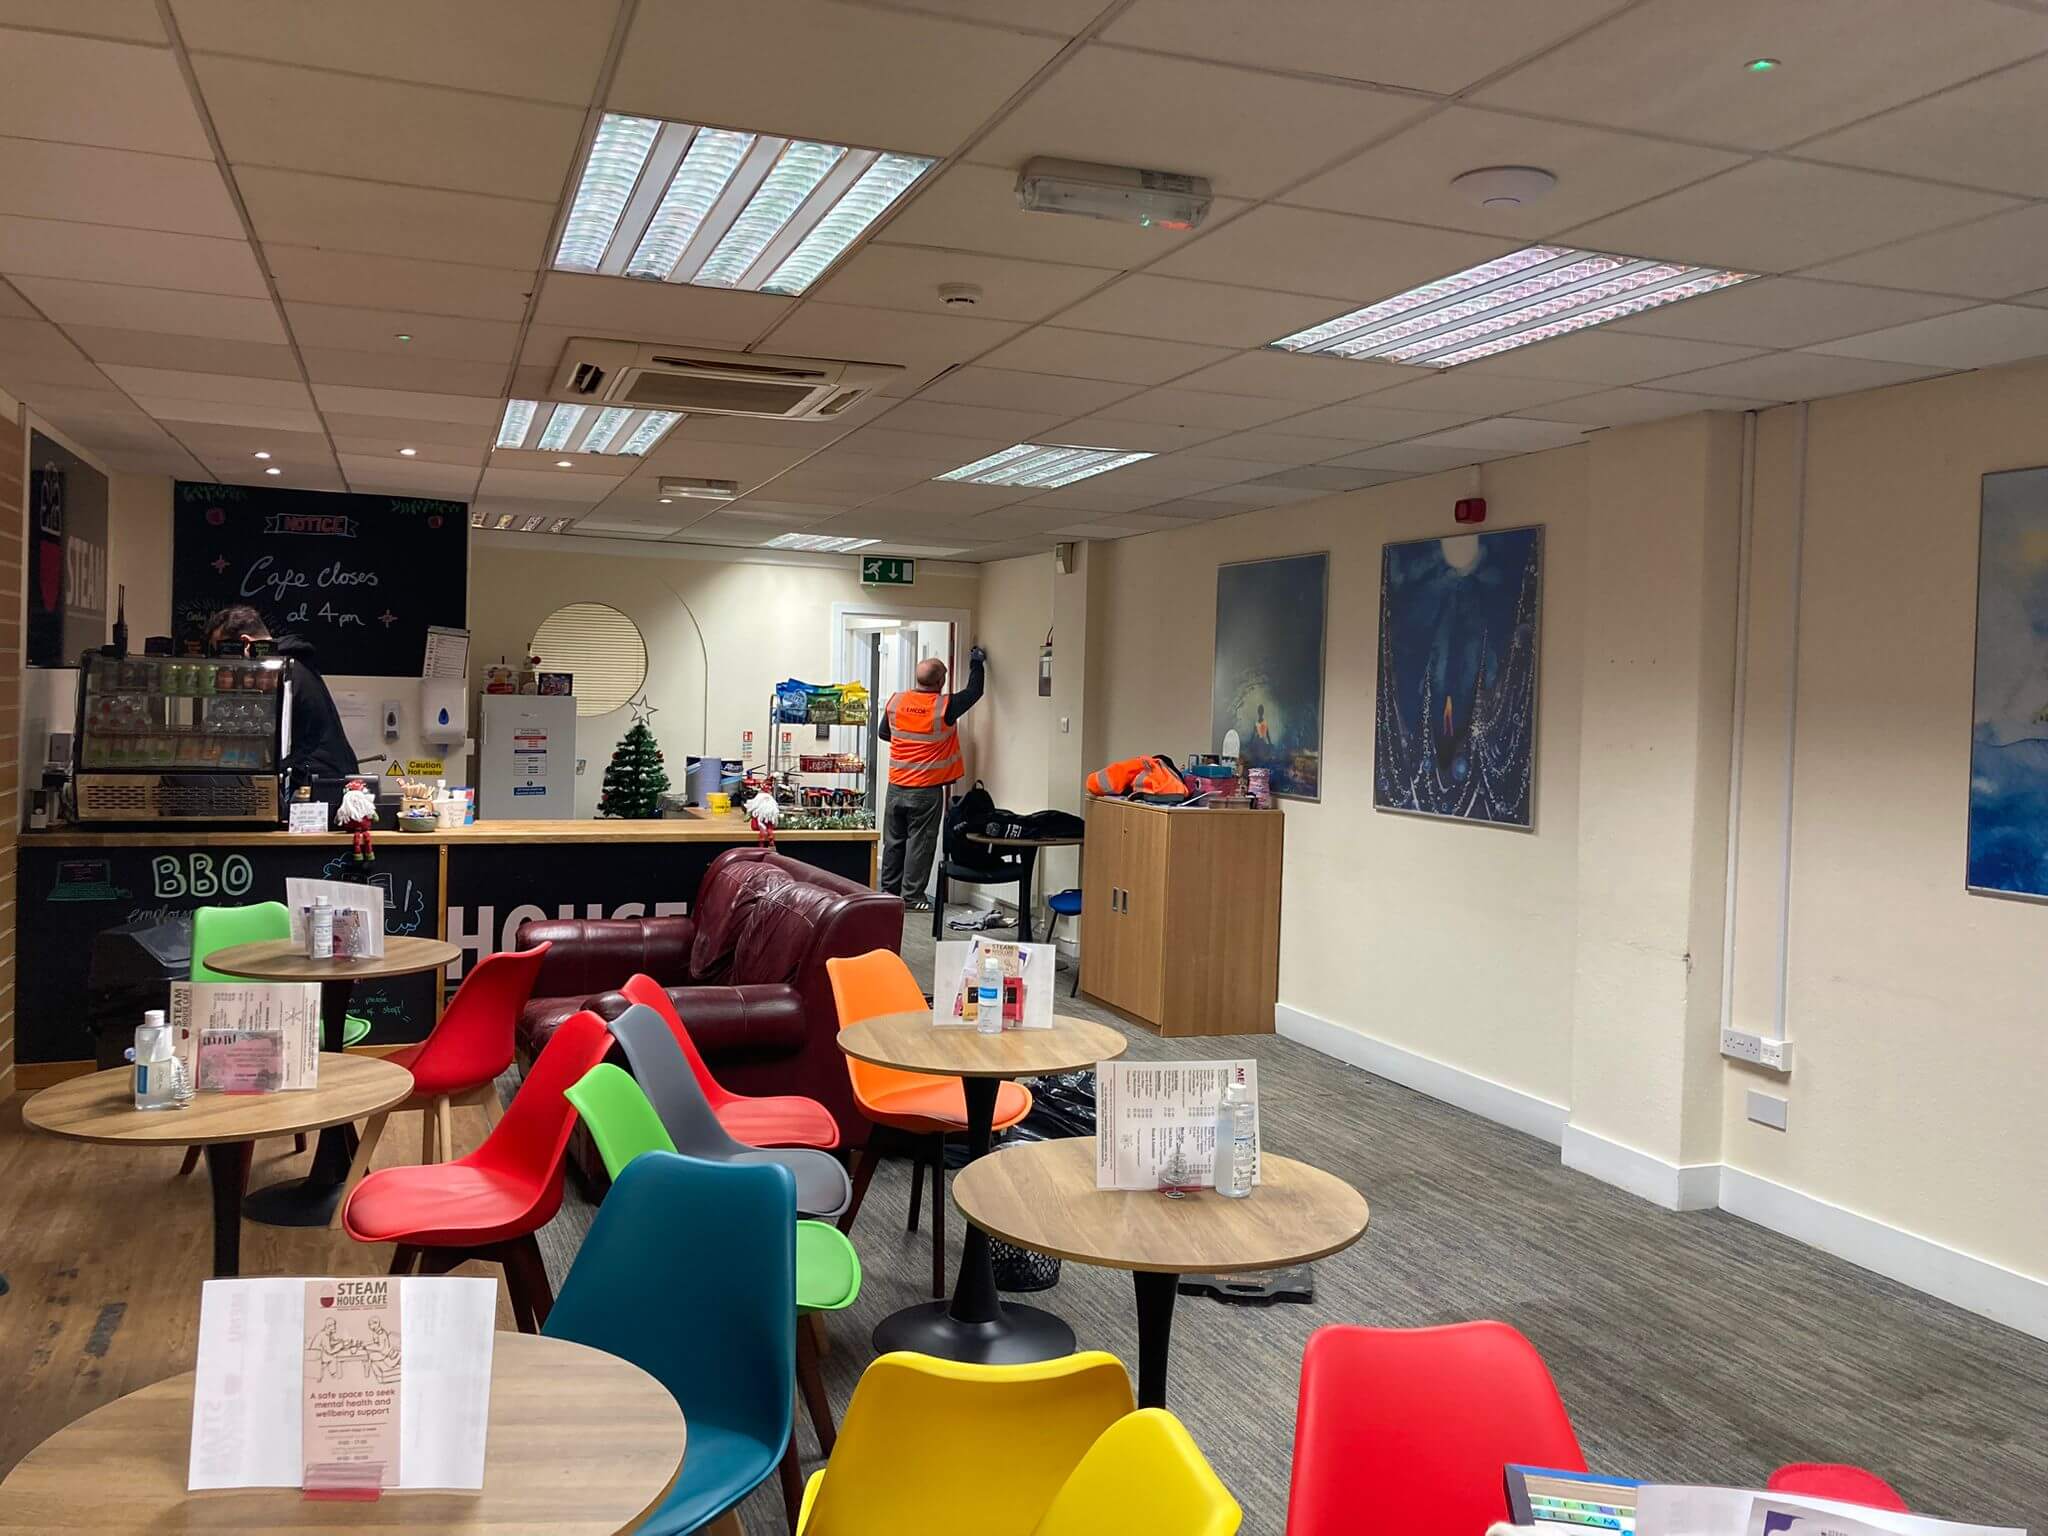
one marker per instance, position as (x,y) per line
(181,738)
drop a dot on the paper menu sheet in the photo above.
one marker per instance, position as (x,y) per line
(247,1415)
(957,966)
(287,1008)
(1146,1110)
(1680,1510)
(368,900)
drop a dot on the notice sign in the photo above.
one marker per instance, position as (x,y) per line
(887,571)
(1157,1118)
(348,1432)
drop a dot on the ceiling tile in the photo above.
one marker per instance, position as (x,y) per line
(1784,312)
(1675,67)
(843,73)
(408,405)
(773,433)
(1522,434)
(908,277)
(1972,338)
(918,449)
(1597,357)
(556,485)
(115,187)
(408,477)
(1420,459)
(381,130)
(635,309)
(432,453)
(14,305)
(1007,389)
(1112,527)
(1093,355)
(1798,376)
(923,415)
(948,499)
(1136,436)
(1327,479)
(974,208)
(171,383)
(1986,134)
(403,428)
(1178,310)
(885,335)
(1094,497)
(229,413)
(1373,423)
(1063,16)
(1994,258)
(749,464)
(531,51)
(153,309)
(1333,254)
(1598,171)
(1199,408)
(1467,391)
(78,90)
(388,370)
(294,208)
(1275,445)
(377,330)
(1441,46)
(193,354)
(1304,378)
(1777,215)
(33,355)
(1252,497)
(1250,134)
(1621,407)
(229,443)
(349,278)
(549,474)
(133,21)
(146,258)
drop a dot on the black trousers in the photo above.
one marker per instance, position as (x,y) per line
(910,837)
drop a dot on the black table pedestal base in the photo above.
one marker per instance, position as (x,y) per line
(1015,1336)
(310,1202)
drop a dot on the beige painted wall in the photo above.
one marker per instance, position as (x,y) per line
(1452,941)
(1916,1009)
(1008,735)
(760,623)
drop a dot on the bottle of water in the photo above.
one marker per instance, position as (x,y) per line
(1236,1147)
(156,1064)
(988,1000)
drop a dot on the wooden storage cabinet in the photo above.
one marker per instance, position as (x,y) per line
(1180,916)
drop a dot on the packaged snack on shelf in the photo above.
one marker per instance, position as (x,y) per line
(792,703)
(824,705)
(853,704)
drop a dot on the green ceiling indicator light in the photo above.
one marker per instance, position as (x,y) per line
(1761,66)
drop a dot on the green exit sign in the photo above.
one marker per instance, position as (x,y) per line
(883,571)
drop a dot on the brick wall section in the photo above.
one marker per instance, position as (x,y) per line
(11,532)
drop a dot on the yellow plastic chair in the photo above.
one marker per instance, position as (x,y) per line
(1143,1474)
(932,1448)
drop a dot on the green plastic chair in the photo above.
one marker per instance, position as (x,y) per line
(624,1125)
(219,927)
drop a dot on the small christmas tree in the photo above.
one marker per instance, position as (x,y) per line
(634,780)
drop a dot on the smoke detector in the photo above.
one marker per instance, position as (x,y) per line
(1505,186)
(959,295)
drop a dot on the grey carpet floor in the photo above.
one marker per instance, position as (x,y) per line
(1694,1348)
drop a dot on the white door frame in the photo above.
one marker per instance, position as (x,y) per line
(844,662)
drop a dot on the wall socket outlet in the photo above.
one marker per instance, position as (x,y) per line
(1757,1050)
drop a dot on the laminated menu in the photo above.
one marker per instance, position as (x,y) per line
(348,1428)
(1152,1116)
(212,1020)
(356,935)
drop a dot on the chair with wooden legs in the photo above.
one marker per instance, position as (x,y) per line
(459,1062)
(911,1112)
(489,1204)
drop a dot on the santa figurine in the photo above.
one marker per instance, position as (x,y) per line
(358,814)
(762,811)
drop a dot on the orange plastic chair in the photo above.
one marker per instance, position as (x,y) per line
(769,1120)
(915,1110)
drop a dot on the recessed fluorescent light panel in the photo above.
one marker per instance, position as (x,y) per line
(675,203)
(581,428)
(817,543)
(1513,301)
(1042,467)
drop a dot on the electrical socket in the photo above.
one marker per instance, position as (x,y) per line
(1758,1050)
(1777,1055)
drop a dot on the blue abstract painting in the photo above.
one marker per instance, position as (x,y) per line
(2008,839)
(1455,733)
(1268,682)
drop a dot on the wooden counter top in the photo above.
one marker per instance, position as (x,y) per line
(710,829)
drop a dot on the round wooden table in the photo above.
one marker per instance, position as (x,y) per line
(1026,849)
(976,1325)
(1042,1195)
(102,1108)
(581,1443)
(310,1202)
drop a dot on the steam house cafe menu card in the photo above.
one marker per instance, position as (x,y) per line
(1148,1113)
(247,1036)
(342,1383)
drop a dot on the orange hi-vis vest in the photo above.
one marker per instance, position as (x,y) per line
(924,751)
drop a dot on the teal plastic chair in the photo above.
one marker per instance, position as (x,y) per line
(689,1272)
(623,1122)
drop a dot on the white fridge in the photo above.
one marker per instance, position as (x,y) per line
(526,769)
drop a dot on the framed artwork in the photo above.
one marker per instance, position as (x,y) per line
(1268,684)
(2008,826)
(1455,729)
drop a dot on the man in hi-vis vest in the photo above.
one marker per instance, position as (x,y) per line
(924,757)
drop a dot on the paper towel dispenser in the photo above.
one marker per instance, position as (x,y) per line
(444,712)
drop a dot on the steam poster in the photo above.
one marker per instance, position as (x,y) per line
(1455,733)
(1268,685)
(2008,838)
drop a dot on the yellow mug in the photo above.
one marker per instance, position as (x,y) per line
(720,803)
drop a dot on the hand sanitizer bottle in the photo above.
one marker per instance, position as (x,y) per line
(988,1002)
(156,1064)
(1236,1149)
(320,930)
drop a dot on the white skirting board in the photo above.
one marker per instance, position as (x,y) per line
(1976,1285)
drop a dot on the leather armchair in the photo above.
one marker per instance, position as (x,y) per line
(746,971)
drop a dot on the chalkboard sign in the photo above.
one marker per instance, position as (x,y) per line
(360,578)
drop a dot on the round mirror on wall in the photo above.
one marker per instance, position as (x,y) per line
(600,648)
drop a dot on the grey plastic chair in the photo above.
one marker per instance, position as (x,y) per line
(663,1072)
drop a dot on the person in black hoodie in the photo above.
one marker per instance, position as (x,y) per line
(320,747)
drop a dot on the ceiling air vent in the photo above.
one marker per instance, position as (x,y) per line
(693,381)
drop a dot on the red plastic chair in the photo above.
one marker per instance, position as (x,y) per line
(775,1120)
(459,1062)
(1392,1420)
(489,1204)
(1832,1480)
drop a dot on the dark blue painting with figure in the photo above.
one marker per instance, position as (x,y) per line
(1455,733)
(2009,737)
(1266,696)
